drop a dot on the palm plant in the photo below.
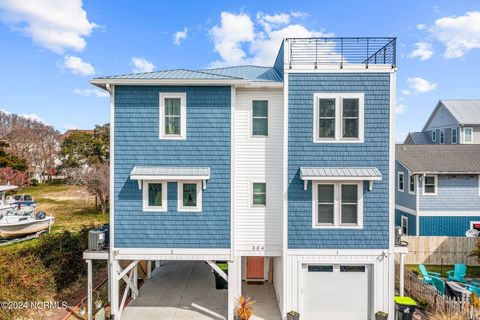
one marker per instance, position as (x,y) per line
(448,315)
(244,308)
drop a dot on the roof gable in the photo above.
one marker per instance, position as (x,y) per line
(440,117)
(467,112)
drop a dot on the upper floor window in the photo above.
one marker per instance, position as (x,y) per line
(259,196)
(404,225)
(154,196)
(173,113)
(411,187)
(434,135)
(401,181)
(260,118)
(454,135)
(430,185)
(337,204)
(442,136)
(338,117)
(190,196)
(468,135)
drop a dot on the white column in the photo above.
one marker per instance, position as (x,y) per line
(135,280)
(114,289)
(402,273)
(109,286)
(89,289)
(234,284)
(149,269)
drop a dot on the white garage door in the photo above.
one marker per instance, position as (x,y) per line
(340,292)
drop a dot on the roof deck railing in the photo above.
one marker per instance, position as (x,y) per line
(342,51)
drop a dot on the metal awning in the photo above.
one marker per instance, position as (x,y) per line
(340,174)
(144,173)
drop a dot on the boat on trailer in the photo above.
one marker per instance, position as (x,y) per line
(14,226)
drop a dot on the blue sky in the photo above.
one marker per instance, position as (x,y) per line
(51,48)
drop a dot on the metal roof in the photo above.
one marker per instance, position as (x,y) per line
(171,74)
(161,172)
(439,158)
(249,72)
(467,112)
(356,173)
(419,138)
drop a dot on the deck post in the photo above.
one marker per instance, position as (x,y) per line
(89,288)
(135,281)
(402,273)
(149,269)
(109,286)
(114,284)
(234,284)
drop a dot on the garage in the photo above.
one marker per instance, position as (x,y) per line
(335,291)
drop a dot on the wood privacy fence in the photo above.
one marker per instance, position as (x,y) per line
(440,250)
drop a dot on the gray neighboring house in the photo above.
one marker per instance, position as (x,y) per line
(437,189)
(451,122)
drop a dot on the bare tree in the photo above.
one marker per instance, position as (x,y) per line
(96,180)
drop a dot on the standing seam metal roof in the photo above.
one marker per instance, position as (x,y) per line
(346,172)
(465,111)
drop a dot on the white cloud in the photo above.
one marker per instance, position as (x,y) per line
(420,85)
(400,108)
(421,26)
(406,92)
(77,66)
(458,34)
(32,116)
(423,50)
(179,36)
(238,42)
(57,25)
(142,65)
(92,92)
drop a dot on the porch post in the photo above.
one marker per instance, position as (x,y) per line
(135,281)
(114,289)
(234,284)
(109,286)
(149,269)
(89,289)
(402,273)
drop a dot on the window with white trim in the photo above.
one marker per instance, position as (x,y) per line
(260,118)
(404,225)
(173,113)
(442,136)
(454,135)
(468,135)
(434,135)
(411,184)
(155,196)
(430,185)
(338,117)
(259,194)
(337,204)
(190,196)
(401,181)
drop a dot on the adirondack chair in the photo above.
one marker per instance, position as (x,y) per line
(439,284)
(458,273)
(427,276)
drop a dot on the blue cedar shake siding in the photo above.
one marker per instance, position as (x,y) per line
(207,145)
(405,198)
(452,226)
(374,152)
(412,221)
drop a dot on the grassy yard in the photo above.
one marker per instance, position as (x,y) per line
(472,271)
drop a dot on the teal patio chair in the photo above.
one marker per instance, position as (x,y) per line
(427,276)
(473,287)
(439,284)
(458,273)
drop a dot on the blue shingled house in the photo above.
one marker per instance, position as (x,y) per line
(285,172)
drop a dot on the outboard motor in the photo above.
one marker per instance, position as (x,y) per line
(40,215)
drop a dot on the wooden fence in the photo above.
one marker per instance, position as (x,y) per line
(440,250)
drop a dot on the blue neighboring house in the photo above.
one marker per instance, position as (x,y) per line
(437,189)
(284,171)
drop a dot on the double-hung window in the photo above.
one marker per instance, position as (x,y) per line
(467,135)
(338,117)
(173,122)
(259,194)
(401,181)
(260,118)
(189,196)
(430,185)
(411,185)
(454,135)
(154,196)
(442,136)
(404,225)
(337,204)
(434,135)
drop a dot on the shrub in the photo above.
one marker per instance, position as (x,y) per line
(448,315)
(34,182)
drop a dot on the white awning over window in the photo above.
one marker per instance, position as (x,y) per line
(145,173)
(340,174)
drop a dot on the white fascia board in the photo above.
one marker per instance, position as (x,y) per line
(444,172)
(451,213)
(336,252)
(102,83)
(405,209)
(313,178)
(167,178)
(335,68)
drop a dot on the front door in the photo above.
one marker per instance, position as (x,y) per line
(255,268)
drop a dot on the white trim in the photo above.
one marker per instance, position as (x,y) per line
(164,206)
(103,83)
(168,178)
(336,252)
(183,115)
(442,135)
(405,209)
(285,187)
(456,135)
(346,68)
(402,174)
(410,176)
(259,136)
(252,205)
(177,251)
(233,104)
(337,212)
(436,185)
(390,286)
(338,117)
(404,224)
(198,207)
(451,213)
(417,206)
(463,135)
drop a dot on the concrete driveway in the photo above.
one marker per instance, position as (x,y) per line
(179,290)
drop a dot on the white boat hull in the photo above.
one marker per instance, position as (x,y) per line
(23,228)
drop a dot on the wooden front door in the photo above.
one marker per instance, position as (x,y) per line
(255,267)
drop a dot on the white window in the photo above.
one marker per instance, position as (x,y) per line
(337,204)
(454,135)
(434,135)
(401,181)
(468,135)
(260,118)
(442,136)
(411,185)
(190,196)
(338,117)
(430,185)
(259,194)
(155,196)
(404,225)
(173,116)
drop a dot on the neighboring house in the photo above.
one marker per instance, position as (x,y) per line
(437,189)
(287,169)
(451,122)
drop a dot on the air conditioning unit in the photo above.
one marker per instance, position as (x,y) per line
(96,239)
(398,235)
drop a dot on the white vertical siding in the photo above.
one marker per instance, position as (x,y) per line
(258,230)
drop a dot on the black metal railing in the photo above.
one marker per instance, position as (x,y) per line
(342,51)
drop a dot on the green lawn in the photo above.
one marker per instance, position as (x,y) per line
(472,271)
